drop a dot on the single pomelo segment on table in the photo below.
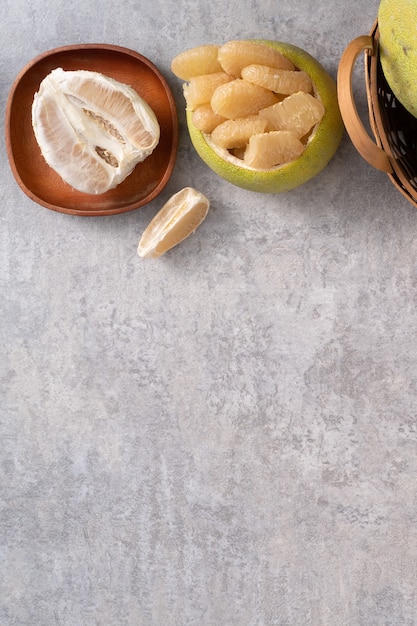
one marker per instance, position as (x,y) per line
(178,218)
(200,89)
(197,61)
(284,82)
(239,98)
(297,113)
(91,129)
(235,55)
(319,147)
(397,21)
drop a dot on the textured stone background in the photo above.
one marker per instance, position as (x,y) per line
(225,436)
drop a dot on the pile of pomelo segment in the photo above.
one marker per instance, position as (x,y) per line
(263,115)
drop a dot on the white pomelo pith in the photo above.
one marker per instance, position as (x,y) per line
(91,129)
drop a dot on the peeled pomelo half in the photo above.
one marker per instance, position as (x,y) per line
(320,144)
(91,129)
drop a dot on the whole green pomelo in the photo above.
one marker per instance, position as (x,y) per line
(397,23)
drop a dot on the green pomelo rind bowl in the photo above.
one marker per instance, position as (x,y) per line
(320,149)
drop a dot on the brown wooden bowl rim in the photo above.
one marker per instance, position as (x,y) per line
(87,47)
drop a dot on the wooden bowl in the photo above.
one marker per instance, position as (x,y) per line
(45,186)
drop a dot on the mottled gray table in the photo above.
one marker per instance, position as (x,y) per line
(225,436)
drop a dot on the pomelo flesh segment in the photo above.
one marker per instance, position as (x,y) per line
(235,55)
(179,217)
(196,61)
(297,113)
(268,150)
(239,98)
(200,89)
(205,119)
(236,133)
(284,82)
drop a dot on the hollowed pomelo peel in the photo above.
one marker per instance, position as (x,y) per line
(398,49)
(322,145)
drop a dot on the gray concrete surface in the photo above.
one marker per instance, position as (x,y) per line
(225,436)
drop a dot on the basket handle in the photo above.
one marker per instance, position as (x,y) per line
(372,153)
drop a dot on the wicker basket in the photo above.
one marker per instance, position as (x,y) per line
(395,130)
